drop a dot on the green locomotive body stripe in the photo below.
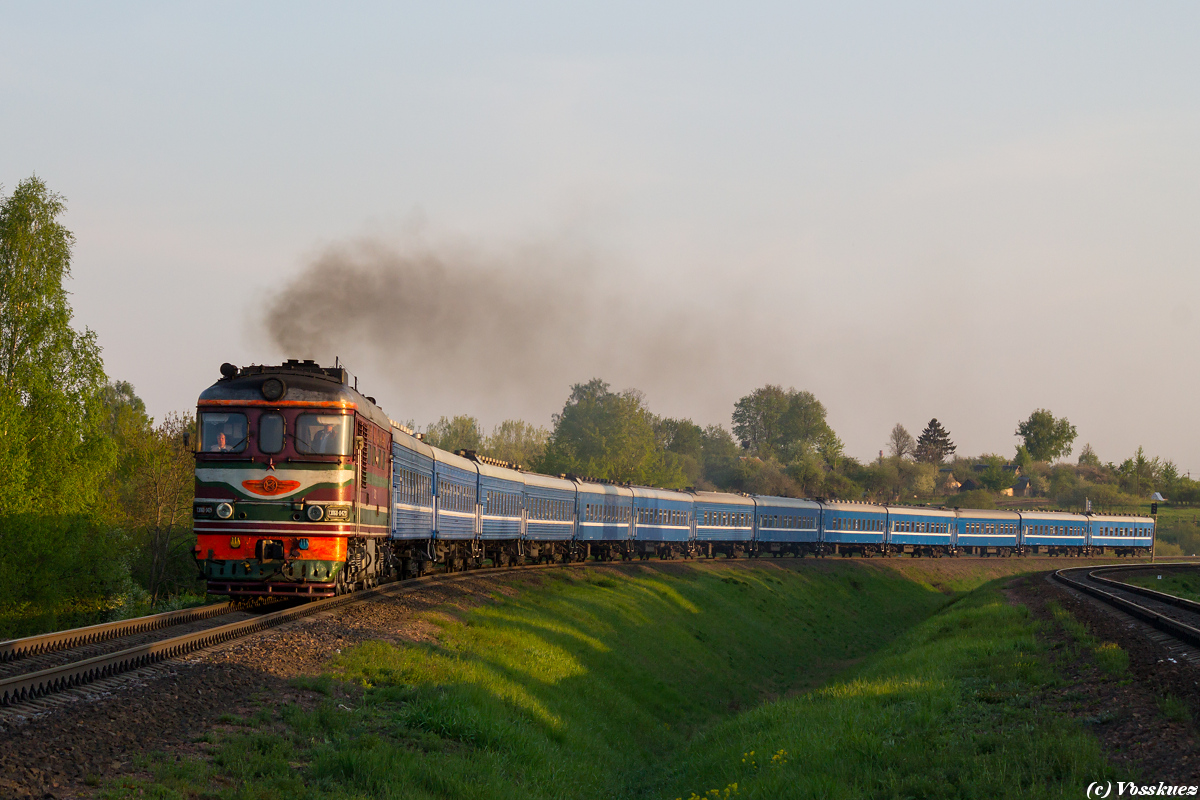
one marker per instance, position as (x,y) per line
(233,476)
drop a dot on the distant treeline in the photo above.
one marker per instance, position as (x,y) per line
(781,444)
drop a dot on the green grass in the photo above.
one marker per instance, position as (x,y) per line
(948,711)
(1179,582)
(830,681)
(1109,657)
(18,620)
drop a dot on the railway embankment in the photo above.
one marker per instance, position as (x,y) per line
(784,677)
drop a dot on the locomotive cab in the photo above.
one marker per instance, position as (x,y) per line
(280,464)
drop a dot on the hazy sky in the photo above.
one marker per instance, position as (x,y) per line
(911,210)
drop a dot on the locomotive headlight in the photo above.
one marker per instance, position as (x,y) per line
(273,389)
(224,510)
(315,513)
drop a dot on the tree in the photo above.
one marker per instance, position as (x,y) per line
(773,423)
(1088,457)
(55,455)
(685,439)
(720,456)
(459,433)
(602,434)
(995,477)
(517,442)
(900,442)
(757,417)
(934,445)
(1045,437)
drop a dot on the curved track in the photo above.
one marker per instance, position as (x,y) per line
(1175,616)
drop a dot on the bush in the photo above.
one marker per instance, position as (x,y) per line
(976,498)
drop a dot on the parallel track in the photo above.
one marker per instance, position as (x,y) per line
(1174,616)
(28,687)
(16,649)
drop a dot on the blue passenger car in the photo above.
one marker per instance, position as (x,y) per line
(604,514)
(1054,533)
(787,525)
(854,527)
(1122,535)
(662,522)
(455,486)
(549,508)
(412,487)
(501,500)
(724,523)
(982,533)
(921,531)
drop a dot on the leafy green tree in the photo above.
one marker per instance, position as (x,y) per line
(934,445)
(773,423)
(154,485)
(1024,460)
(720,457)
(758,418)
(900,442)
(1045,437)
(1088,457)
(516,441)
(976,498)
(995,477)
(685,439)
(457,433)
(602,434)
(51,375)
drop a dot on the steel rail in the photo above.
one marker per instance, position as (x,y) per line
(23,688)
(1173,627)
(14,649)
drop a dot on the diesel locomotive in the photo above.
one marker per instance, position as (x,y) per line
(304,487)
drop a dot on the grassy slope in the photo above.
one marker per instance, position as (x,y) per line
(631,684)
(1177,581)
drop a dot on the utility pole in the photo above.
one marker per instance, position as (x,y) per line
(1153,529)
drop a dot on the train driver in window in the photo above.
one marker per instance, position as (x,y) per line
(324,440)
(219,446)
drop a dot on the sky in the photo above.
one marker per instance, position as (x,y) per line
(960,211)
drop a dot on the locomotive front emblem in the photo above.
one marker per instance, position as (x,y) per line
(270,486)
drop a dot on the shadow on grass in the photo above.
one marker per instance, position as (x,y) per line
(630,683)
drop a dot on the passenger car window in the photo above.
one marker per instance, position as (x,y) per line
(222,433)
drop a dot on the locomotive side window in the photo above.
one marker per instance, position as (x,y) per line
(270,433)
(323,434)
(223,433)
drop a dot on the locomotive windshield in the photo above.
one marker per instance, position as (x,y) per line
(323,434)
(222,433)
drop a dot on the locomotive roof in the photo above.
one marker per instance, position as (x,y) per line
(305,383)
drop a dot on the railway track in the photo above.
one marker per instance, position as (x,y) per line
(1176,617)
(42,666)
